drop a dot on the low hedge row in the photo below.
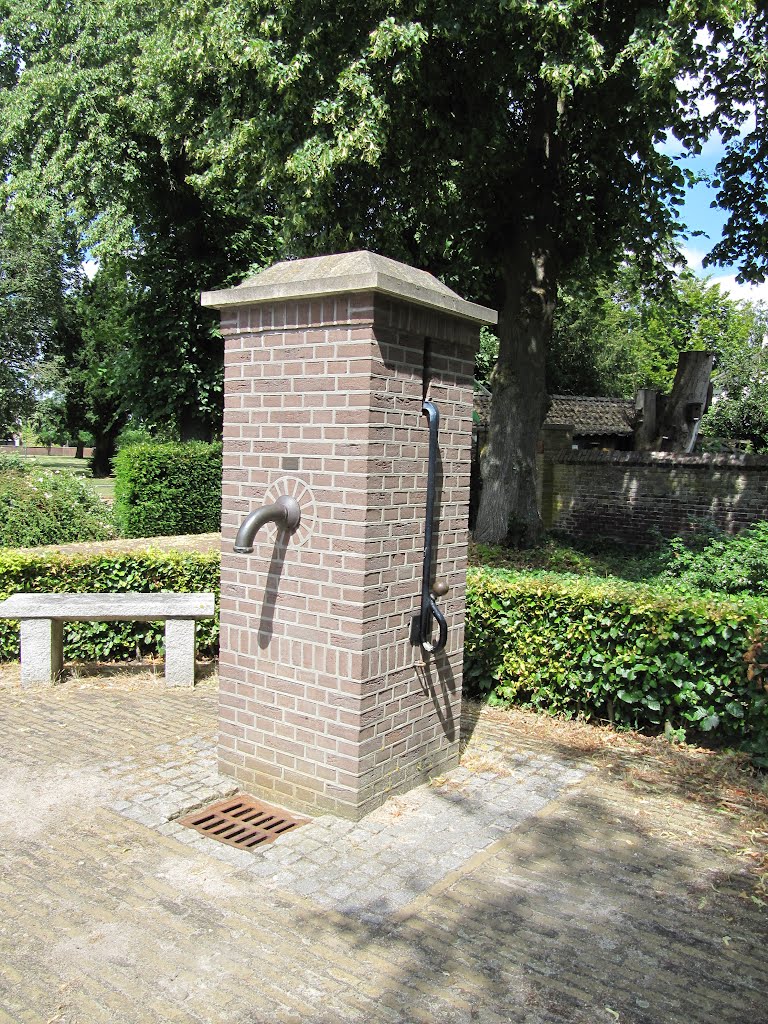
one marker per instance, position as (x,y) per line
(140,572)
(632,655)
(168,489)
(636,656)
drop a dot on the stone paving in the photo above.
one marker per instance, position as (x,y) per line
(525,886)
(368,868)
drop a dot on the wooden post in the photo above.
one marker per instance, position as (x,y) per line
(646,402)
(679,425)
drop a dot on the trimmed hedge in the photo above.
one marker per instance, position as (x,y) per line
(140,572)
(169,489)
(643,658)
(639,657)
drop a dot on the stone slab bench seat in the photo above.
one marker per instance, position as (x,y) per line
(42,616)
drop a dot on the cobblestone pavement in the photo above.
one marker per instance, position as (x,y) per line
(525,886)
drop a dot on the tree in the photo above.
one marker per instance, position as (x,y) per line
(82,149)
(742,419)
(737,82)
(618,335)
(36,268)
(502,146)
(740,409)
(595,336)
(96,359)
(498,145)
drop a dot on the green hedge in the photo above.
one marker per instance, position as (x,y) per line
(639,657)
(167,490)
(142,572)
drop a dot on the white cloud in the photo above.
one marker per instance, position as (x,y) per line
(693,257)
(727,282)
(90,268)
(750,292)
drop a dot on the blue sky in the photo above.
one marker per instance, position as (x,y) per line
(698,215)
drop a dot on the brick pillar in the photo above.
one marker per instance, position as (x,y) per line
(324,702)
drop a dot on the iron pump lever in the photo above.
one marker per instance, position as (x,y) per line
(429,609)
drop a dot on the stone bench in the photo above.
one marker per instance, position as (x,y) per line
(42,616)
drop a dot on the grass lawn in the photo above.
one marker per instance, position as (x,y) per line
(105,487)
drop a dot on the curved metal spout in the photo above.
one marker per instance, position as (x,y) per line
(285,512)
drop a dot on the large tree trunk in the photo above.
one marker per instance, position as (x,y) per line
(508,510)
(105,446)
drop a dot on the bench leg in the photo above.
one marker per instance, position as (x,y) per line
(180,652)
(42,651)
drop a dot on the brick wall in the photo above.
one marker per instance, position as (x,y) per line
(51,449)
(634,496)
(324,702)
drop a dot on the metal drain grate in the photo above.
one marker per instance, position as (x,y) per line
(242,821)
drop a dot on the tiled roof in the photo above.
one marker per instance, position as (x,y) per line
(592,415)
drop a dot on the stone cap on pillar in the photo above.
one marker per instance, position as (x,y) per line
(343,273)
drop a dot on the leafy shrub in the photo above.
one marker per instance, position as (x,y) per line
(133,435)
(639,657)
(731,565)
(595,557)
(42,506)
(142,433)
(163,490)
(120,572)
(742,419)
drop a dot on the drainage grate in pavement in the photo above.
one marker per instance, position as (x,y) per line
(242,821)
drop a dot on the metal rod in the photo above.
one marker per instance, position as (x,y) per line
(429,609)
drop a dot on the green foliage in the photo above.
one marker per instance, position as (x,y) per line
(597,557)
(40,506)
(36,267)
(742,418)
(732,565)
(613,336)
(141,572)
(707,559)
(140,433)
(740,412)
(423,130)
(499,145)
(168,489)
(595,339)
(637,656)
(86,152)
(741,176)
(486,357)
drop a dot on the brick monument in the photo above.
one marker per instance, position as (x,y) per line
(327,699)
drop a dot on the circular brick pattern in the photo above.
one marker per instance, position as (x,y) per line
(294,487)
